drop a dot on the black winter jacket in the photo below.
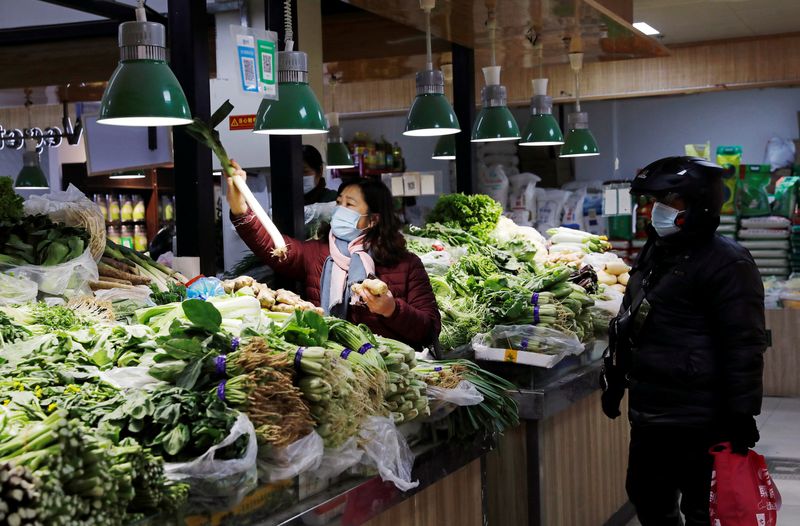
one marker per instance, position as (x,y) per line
(698,357)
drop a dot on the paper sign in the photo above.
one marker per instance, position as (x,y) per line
(510,355)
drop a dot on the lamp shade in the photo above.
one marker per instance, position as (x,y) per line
(579,142)
(31,177)
(542,130)
(338,156)
(431,114)
(495,124)
(143,91)
(445,149)
(297,110)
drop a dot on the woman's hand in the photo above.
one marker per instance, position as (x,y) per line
(383,305)
(235,198)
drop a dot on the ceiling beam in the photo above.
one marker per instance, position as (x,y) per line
(52,33)
(109,9)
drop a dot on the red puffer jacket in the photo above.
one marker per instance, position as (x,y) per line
(416,320)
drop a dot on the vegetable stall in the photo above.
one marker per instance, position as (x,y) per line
(131,394)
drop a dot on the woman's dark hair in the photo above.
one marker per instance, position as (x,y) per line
(384,239)
(312,158)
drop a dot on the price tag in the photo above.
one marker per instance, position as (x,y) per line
(510,356)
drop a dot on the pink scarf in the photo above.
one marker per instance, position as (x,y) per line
(341,266)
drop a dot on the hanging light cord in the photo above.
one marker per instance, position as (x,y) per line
(429,53)
(288,38)
(141,14)
(492,25)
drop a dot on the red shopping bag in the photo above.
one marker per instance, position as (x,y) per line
(742,491)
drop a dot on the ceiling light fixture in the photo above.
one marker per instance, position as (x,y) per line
(130,175)
(542,128)
(495,121)
(31,177)
(646,28)
(337,156)
(431,115)
(445,149)
(579,141)
(143,91)
(297,110)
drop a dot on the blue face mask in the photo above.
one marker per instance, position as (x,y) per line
(344,223)
(664,219)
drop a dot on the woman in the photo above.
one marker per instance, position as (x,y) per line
(314,188)
(364,239)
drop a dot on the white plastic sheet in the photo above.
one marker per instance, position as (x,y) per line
(386,449)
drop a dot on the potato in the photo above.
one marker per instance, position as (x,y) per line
(617,267)
(605,278)
(623,278)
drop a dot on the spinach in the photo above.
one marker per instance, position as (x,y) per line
(202,314)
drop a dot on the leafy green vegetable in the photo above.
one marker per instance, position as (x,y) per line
(10,202)
(202,314)
(11,332)
(175,292)
(477,214)
(36,240)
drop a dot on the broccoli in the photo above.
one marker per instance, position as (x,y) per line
(10,202)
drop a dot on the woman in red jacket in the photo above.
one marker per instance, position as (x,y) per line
(364,239)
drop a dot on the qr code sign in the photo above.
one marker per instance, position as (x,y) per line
(266,65)
(248,70)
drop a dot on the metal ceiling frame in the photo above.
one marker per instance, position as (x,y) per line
(108,9)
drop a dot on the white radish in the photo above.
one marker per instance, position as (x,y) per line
(280,249)
(605,278)
(623,278)
(617,267)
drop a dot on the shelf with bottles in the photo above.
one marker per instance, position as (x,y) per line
(373,158)
(126,217)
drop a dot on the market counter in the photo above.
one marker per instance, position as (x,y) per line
(782,360)
(565,464)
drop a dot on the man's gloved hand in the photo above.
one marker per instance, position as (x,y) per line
(612,381)
(742,432)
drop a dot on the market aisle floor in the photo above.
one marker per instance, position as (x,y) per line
(779,424)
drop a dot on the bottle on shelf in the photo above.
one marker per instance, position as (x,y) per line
(380,154)
(388,153)
(139,238)
(399,162)
(112,234)
(359,146)
(169,209)
(139,210)
(113,209)
(126,236)
(102,204)
(125,208)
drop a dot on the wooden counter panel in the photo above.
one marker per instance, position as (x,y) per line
(584,457)
(782,360)
(507,480)
(455,500)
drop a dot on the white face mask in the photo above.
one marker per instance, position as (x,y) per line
(664,217)
(309,183)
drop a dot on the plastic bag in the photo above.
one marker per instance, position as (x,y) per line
(285,463)
(17,289)
(699,150)
(436,263)
(205,288)
(729,157)
(442,401)
(549,207)
(315,215)
(73,275)
(780,153)
(72,208)
(742,490)
(785,196)
(753,200)
(215,483)
(531,338)
(572,216)
(494,183)
(336,461)
(612,301)
(386,449)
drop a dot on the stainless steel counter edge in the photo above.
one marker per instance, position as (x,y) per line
(538,404)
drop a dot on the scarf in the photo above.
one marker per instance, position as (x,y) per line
(348,263)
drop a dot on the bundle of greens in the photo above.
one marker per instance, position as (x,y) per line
(10,331)
(123,267)
(405,397)
(11,209)
(477,214)
(36,240)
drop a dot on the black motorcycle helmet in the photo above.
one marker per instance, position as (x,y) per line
(696,180)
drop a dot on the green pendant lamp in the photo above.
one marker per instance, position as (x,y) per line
(431,115)
(143,91)
(445,149)
(542,128)
(31,177)
(579,141)
(338,156)
(495,121)
(297,110)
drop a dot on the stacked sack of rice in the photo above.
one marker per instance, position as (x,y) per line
(767,239)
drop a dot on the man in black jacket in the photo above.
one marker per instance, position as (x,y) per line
(688,344)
